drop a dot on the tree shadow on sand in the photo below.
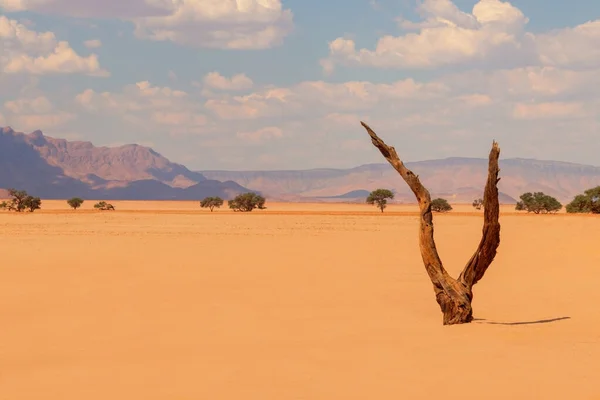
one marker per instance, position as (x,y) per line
(541,321)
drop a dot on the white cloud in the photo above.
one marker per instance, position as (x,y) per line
(320,96)
(37,105)
(492,34)
(255,105)
(93,44)
(35,113)
(137,97)
(178,118)
(550,110)
(236,82)
(270,132)
(518,83)
(342,119)
(575,47)
(441,13)
(475,100)
(232,24)
(31,122)
(25,51)
(148,106)
(447,36)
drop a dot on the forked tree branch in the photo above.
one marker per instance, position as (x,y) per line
(431,259)
(453,296)
(490,238)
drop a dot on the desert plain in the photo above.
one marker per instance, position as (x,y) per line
(164,300)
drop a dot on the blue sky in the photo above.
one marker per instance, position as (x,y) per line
(283,84)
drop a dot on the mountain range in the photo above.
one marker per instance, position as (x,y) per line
(56,168)
(457,179)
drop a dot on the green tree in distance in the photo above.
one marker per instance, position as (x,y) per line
(477,204)
(380,197)
(247,202)
(17,200)
(21,201)
(538,203)
(588,202)
(440,205)
(75,202)
(211,202)
(104,206)
(33,203)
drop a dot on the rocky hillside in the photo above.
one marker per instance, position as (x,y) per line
(57,168)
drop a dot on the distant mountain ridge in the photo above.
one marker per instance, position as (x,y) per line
(458,179)
(57,168)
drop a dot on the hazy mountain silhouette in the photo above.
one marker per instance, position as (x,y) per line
(456,179)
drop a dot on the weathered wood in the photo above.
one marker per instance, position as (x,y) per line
(490,238)
(454,296)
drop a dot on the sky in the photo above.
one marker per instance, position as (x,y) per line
(284,84)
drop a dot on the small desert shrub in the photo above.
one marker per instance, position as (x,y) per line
(104,206)
(440,205)
(478,203)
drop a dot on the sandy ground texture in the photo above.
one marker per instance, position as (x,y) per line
(163,300)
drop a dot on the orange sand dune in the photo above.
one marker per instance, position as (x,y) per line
(162,300)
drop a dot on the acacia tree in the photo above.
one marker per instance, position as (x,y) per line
(379,197)
(440,205)
(211,202)
(454,296)
(21,201)
(477,204)
(33,203)
(537,203)
(18,199)
(588,202)
(75,202)
(247,202)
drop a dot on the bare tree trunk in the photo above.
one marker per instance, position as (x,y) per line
(453,295)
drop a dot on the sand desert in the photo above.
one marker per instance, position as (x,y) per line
(165,300)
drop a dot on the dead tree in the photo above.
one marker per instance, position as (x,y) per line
(453,295)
